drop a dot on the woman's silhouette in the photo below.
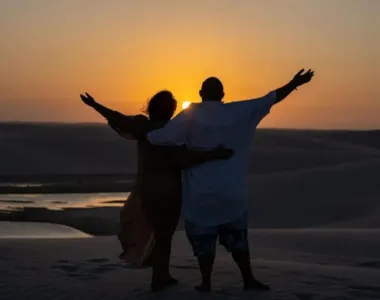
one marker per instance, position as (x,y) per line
(151,213)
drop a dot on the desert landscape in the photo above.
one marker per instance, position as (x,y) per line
(314,216)
(311,70)
(296,178)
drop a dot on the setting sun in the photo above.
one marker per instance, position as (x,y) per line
(186,104)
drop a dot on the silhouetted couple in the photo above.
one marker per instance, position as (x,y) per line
(198,157)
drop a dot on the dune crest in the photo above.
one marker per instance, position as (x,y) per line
(33,230)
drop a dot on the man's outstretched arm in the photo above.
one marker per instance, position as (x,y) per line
(299,79)
(260,107)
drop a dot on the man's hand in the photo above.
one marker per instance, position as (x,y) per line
(301,78)
(88,99)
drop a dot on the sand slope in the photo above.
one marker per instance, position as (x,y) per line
(96,149)
(89,269)
(345,195)
(372,220)
(315,196)
(297,178)
(20,230)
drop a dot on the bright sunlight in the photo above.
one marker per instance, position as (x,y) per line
(186,104)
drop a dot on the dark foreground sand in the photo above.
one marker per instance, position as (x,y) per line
(299,265)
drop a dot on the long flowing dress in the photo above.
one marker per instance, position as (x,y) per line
(152,211)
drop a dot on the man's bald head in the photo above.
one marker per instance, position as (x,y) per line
(212,90)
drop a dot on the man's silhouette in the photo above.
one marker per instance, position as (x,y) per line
(214,201)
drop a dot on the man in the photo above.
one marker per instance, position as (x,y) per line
(213,194)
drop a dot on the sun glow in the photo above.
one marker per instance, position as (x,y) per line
(186,104)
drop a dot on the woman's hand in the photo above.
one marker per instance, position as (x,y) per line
(88,99)
(222,152)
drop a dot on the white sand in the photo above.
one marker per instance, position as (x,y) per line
(304,265)
(33,230)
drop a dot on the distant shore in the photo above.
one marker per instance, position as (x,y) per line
(66,184)
(92,220)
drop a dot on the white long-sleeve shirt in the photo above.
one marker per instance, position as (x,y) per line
(214,193)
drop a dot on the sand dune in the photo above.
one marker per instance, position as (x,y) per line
(69,149)
(372,220)
(297,179)
(335,195)
(25,230)
(288,261)
(96,149)
(316,196)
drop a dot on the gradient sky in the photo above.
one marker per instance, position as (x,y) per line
(123,51)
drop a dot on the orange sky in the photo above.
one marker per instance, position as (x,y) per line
(123,51)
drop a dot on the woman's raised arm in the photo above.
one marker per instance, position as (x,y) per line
(131,127)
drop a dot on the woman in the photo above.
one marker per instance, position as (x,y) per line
(151,213)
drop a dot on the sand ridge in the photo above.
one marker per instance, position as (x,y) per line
(89,268)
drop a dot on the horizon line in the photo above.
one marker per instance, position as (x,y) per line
(104,124)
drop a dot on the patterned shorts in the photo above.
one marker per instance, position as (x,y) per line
(232,235)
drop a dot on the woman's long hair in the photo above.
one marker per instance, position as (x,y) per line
(161,106)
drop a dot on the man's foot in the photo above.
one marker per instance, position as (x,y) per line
(163,283)
(254,284)
(203,288)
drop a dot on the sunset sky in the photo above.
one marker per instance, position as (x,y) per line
(123,51)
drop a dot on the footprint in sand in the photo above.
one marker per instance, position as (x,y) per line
(97,260)
(66,268)
(84,268)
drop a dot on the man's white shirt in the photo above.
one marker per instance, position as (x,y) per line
(214,193)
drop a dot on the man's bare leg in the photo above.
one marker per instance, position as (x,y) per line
(243,261)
